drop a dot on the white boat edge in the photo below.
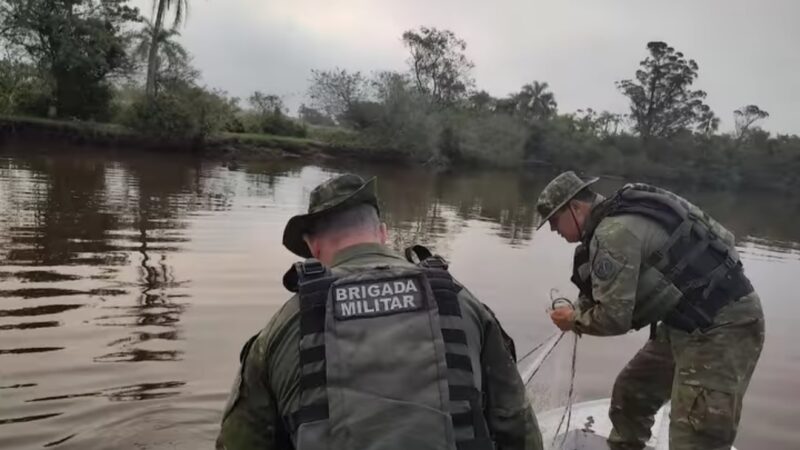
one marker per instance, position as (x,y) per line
(589,425)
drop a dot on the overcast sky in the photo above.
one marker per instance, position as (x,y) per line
(747,50)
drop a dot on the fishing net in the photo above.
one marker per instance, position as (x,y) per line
(548,370)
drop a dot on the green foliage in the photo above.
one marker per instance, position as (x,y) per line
(662,103)
(172,61)
(22,90)
(745,117)
(535,102)
(439,67)
(313,116)
(267,116)
(182,112)
(266,104)
(160,9)
(485,139)
(280,125)
(403,119)
(336,91)
(76,45)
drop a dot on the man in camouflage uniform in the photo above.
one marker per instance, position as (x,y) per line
(343,231)
(702,363)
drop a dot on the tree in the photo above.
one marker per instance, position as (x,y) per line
(707,121)
(268,116)
(745,117)
(662,103)
(587,120)
(265,104)
(336,91)
(609,123)
(536,102)
(75,44)
(160,8)
(18,82)
(481,101)
(438,64)
(172,59)
(314,116)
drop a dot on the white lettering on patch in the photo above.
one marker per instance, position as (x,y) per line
(377,299)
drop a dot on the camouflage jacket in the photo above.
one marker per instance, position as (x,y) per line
(617,252)
(266,389)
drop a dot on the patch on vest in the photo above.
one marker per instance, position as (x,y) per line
(380,298)
(605,267)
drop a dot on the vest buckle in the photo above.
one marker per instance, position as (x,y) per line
(313,267)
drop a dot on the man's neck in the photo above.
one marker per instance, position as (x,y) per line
(329,251)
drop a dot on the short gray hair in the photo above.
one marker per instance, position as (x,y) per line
(363,217)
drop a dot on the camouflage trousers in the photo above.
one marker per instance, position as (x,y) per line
(704,374)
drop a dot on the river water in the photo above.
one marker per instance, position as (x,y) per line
(128,285)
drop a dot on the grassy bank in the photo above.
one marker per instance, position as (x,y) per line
(245,146)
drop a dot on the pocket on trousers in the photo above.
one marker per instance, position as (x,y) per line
(708,411)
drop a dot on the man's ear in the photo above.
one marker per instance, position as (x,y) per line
(572,205)
(313,246)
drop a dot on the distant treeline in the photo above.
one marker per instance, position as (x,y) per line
(102,61)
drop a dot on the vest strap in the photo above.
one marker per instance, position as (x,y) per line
(454,335)
(312,355)
(305,414)
(475,444)
(456,361)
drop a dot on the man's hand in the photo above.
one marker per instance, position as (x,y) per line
(563,318)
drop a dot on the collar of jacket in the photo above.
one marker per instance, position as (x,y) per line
(357,251)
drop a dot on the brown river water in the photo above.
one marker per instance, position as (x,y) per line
(129,283)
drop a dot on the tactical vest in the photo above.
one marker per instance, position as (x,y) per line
(384,362)
(690,278)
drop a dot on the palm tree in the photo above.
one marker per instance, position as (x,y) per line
(536,102)
(168,50)
(160,7)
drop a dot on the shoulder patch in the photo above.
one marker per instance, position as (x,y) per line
(363,299)
(605,266)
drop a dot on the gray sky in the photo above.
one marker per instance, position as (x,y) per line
(747,50)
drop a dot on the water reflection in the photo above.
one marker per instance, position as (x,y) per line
(19,386)
(37,310)
(30,325)
(429,208)
(110,262)
(18,351)
(28,418)
(38,276)
(144,391)
(60,441)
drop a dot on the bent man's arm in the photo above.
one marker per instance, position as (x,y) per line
(615,258)
(509,415)
(251,420)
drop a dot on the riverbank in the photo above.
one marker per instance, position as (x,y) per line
(719,164)
(225,146)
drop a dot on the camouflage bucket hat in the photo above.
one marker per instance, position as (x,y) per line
(558,192)
(334,194)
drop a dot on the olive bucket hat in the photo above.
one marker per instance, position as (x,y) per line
(335,194)
(558,193)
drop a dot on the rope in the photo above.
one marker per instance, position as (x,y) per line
(567,414)
(532,351)
(544,358)
(568,408)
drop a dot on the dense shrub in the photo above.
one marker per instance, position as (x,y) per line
(182,111)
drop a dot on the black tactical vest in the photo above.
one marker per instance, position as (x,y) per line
(384,362)
(690,278)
